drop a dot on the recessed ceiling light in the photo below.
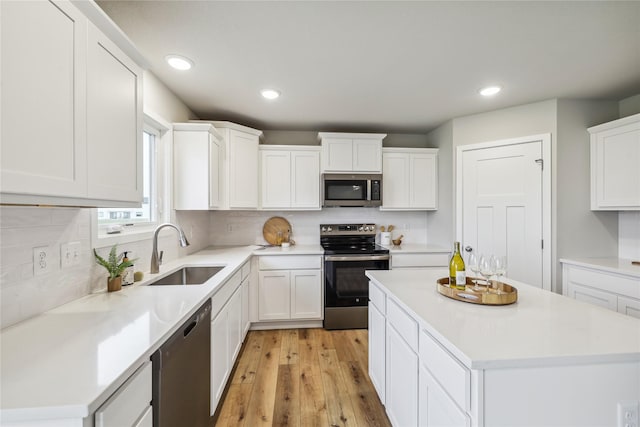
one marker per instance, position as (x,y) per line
(270,93)
(179,62)
(490,90)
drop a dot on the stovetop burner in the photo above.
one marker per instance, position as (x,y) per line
(350,239)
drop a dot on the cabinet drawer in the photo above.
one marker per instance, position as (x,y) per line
(129,402)
(219,299)
(246,270)
(419,260)
(277,262)
(377,298)
(452,376)
(406,326)
(629,306)
(610,282)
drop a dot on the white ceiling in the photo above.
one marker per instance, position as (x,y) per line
(389,66)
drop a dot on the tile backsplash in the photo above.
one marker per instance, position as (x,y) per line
(24,294)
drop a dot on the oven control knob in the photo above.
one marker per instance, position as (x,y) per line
(329,229)
(361,228)
(324,229)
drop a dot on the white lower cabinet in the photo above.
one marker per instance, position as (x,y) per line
(245,292)
(130,405)
(227,333)
(401,396)
(377,348)
(615,291)
(294,293)
(435,407)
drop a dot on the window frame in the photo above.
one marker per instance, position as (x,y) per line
(144,231)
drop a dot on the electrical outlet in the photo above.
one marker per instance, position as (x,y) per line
(628,414)
(69,254)
(42,260)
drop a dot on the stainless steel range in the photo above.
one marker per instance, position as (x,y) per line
(349,250)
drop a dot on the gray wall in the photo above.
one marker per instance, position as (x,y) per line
(441,223)
(629,106)
(285,137)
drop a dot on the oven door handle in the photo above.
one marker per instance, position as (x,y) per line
(357,258)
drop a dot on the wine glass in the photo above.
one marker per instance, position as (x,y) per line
(487,268)
(500,263)
(473,265)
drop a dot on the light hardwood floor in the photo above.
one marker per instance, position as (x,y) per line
(302,377)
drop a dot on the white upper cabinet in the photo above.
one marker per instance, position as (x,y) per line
(410,179)
(84,148)
(240,166)
(290,177)
(46,156)
(615,156)
(215,166)
(197,150)
(351,152)
(114,121)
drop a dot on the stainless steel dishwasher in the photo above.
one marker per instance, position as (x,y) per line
(181,374)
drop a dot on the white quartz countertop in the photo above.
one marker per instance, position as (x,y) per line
(415,248)
(613,265)
(67,361)
(541,328)
(291,250)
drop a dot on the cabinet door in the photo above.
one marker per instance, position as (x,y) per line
(190,166)
(214,173)
(274,295)
(220,364)
(615,173)
(337,155)
(245,307)
(593,296)
(629,306)
(435,407)
(377,334)
(43,47)
(305,179)
(395,184)
(235,325)
(423,181)
(401,395)
(367,155)
(114,122)
(243,170)
(306,294)
(276,179)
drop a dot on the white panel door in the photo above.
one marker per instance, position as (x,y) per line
(306,294)
(114,121)
(274,295)
(305,179)
(243,170)
(395,184)
(424,181)
(367,155)
(42,99)
(502,206)
(276,178)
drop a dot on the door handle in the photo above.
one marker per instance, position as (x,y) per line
(468,249)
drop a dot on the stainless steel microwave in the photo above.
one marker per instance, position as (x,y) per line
(352,189)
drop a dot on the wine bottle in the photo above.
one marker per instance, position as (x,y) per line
(457,274)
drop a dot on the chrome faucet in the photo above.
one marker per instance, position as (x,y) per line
(157,260)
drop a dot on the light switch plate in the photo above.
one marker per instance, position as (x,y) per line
(69,254)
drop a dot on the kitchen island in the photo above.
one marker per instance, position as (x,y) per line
(545,360)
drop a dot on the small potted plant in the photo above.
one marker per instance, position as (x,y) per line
(115,266)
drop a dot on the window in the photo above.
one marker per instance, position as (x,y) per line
(119,225)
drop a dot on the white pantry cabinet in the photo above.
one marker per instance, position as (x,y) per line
(615,156)
(85,147)
(197,154)
(290,287)
(616,291)
(290,177)
(410,179)
(351,152)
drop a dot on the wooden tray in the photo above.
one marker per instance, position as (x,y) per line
(271,228)
(499,294)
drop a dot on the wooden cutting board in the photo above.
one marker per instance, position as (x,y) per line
(272,226)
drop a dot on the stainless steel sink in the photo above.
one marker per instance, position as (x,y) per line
(188,276)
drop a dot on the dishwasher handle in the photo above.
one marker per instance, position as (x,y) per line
(189,328)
